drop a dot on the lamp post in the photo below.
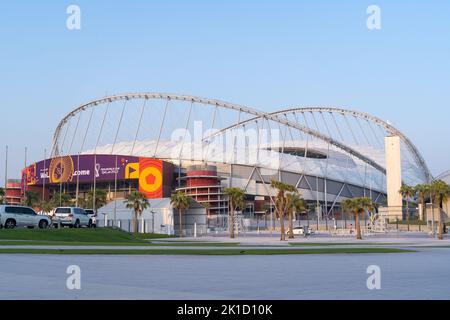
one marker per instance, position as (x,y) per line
(432,220)
(153,221)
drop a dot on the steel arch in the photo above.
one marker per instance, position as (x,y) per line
(392,130)
(147,96)
(444,175)
(258,115)
(213,102)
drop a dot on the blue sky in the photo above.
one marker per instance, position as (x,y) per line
(266,54)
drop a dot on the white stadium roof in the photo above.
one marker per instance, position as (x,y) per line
(333,143)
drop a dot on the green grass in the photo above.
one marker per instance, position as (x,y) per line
(133,244)
(211,252)
(100,235)
(94,237)
(68,243)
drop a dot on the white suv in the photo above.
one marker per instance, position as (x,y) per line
(17,216)
(91,213)
(72,217)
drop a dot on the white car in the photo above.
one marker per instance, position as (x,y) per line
(71,217)
(301,231)
(91,213)
(17,216)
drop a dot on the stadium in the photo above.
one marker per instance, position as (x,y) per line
(159,143)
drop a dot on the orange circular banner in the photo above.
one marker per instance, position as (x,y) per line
(151,178)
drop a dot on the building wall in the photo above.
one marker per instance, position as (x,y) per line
(393,175)
(13,192)
(159,218)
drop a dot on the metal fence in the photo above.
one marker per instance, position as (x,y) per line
(147,226)
(247,224)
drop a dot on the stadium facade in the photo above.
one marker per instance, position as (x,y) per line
(158,143)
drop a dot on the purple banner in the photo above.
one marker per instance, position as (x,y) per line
(83,168)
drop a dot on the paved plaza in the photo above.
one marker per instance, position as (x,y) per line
(417,275)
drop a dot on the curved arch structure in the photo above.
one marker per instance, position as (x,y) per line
(389,128)
(213,102)
(342,150)
(146,96)
(444,176)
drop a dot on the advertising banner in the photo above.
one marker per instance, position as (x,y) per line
(151,178)
(85,168)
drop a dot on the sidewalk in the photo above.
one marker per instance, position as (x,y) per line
(268,239)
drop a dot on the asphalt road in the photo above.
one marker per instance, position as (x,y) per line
(419,275)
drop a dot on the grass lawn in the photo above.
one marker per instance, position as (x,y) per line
(92,237)
(112,244)
(211,252)
(100,235)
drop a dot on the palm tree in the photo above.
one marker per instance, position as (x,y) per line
(83,203)
(100,199)
(2,195)
(61,200)
(46,206)
(207,206)
(181,202)
(31,198)
(236,199)
(407,192)
(357,206)
(138,202)
(294,204)
(441,192)
(422,191)
(281,202)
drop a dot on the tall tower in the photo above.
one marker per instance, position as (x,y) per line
(393,176)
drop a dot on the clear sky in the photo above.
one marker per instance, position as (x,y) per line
(265,54)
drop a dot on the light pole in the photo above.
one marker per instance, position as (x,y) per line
(6,174)
(432,214)
(153,221)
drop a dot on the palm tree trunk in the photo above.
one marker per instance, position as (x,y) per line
(407,211)
(180,217)
(358,227)
(291,225)
(231,222)
(433,222)
(135,222)
(440,235)
(422,202)
(283,232)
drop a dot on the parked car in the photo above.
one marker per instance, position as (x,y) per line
(91,213)
(71,217)
(18,216)
(301,231)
